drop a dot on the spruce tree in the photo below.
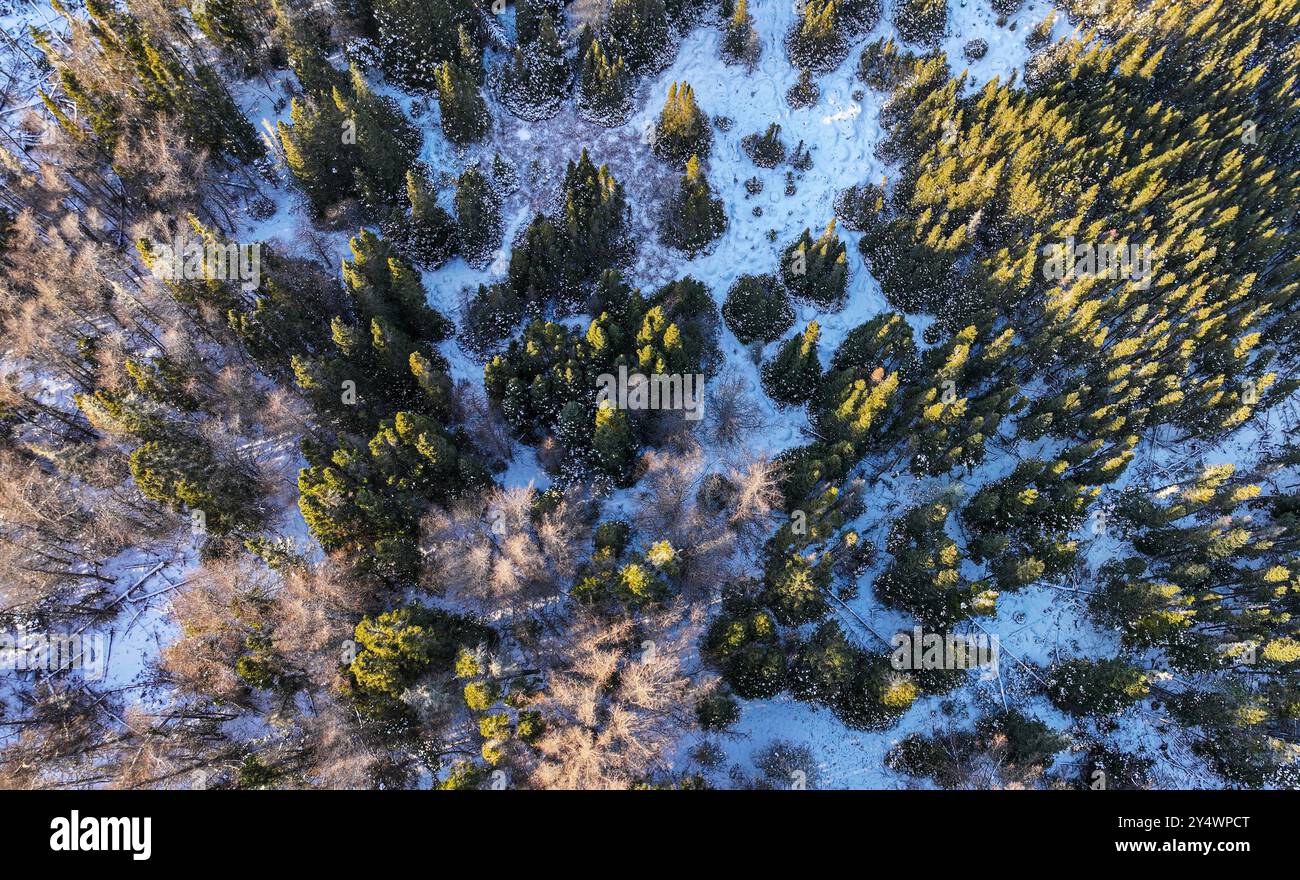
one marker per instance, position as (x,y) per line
(314,149)
(386,143)
(791,378)
(882,64)
(816,271)
(533,80)
(683,129)
(921,21)
(858,16)
(183,471)
(465,116)
(603,85)
(637,31)
(306,47)
(382,285)
(615,444)
(744,642)
(795,588)
(815,41)
(417,36)
(223,22)
(429,232)
(594,215)
(478,213)
(740,43)
(757,309)
(766,150)
(695,217)
(803,93)
(367,497)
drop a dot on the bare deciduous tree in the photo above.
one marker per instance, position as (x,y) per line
(617,701)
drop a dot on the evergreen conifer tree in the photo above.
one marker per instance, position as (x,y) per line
(683,129)
(791,378)
(465,116)
(740,43)
(757,309)
(695,217)
(479,215)
(816,271)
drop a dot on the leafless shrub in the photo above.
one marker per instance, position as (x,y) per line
(483,423)
(732,411)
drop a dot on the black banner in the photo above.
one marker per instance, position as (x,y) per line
(141,831)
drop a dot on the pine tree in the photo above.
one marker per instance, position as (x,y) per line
(861,206)
(1023,524)
(862,384)
(213,118)
(695,217)
(1096,687)
(367,497)
(925,576)
(858,16)
(795,589)
(465,116)
(791,378)
(744,642)
(289,313)
(357,142)
(539,268)
(123,54)
(683,129)
(491,316)
(184,472)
